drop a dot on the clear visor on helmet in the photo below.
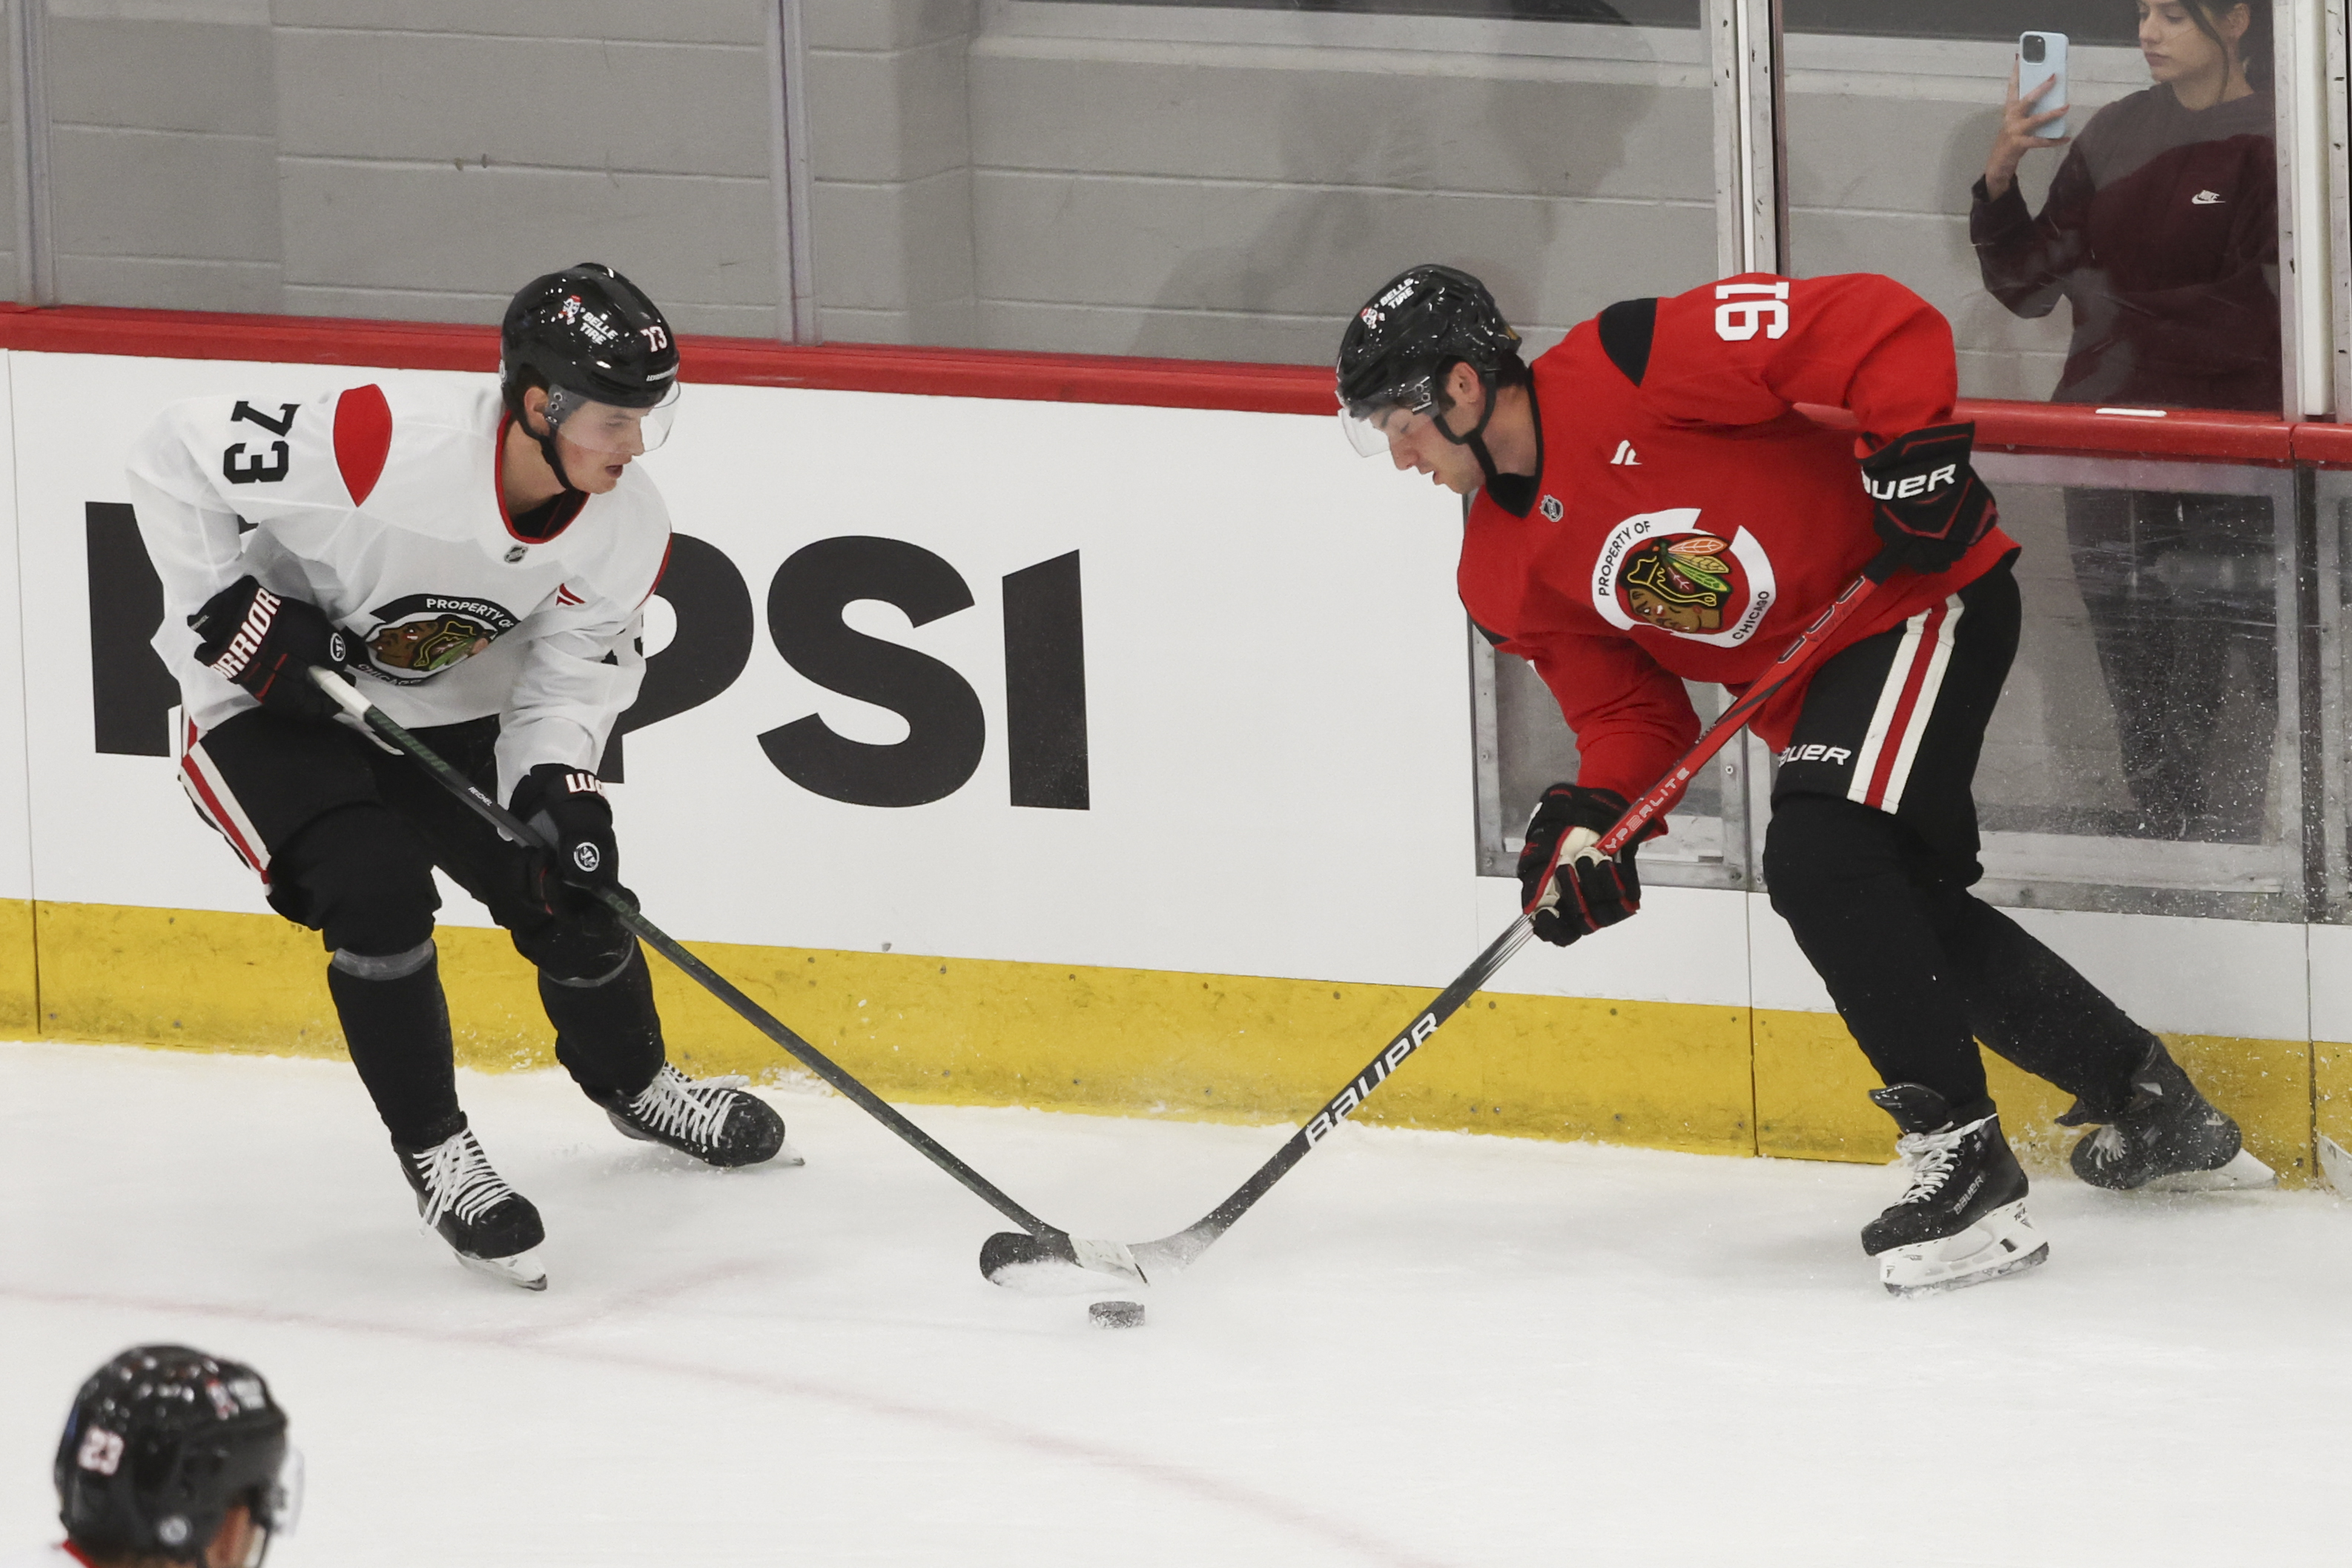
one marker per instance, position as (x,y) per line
(1373,422)
(608,428)
(284,1498)
(277,1510)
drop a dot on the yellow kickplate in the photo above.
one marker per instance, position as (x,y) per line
(1132,1041)
(968,1032)
(1812,1084)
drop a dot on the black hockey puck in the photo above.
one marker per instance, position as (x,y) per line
(1117,1314)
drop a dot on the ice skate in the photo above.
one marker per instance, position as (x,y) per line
(2168,1138)
(491,1227)
(1962,1220)
(712,1120)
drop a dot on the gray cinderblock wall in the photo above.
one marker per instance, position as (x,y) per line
(414,159)
(1165,180)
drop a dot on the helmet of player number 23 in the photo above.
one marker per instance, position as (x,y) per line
(161,1443)
(603,353)
(1399,347)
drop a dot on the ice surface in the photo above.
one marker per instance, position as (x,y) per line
(1421,1349)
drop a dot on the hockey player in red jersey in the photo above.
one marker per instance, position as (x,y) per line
(1651,507)
(479,558)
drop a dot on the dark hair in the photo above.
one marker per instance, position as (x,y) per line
(2253,47)
(1510,371)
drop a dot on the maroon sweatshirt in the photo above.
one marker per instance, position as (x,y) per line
(2161,230)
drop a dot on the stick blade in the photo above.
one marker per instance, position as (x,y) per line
(1055,1264)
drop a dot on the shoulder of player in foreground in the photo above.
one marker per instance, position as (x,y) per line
(632,525)
(411,424)
(1618,333)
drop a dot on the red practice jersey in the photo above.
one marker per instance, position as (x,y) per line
(1688,521)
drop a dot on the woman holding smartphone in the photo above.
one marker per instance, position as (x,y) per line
(2161,232)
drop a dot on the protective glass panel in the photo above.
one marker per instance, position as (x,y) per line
(2332,694)
(1524,748)
(2144,756)
(1230,182)
(2133,264)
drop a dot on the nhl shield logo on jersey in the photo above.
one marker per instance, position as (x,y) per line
(1661,569)
(422,634)
(1551,508)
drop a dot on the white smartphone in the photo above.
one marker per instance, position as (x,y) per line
(2042,57)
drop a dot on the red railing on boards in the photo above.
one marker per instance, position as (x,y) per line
(2065,428)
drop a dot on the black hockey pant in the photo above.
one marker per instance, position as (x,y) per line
(346,837)
(1873,848)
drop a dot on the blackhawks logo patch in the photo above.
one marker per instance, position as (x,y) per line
(421,634)
(1661,569)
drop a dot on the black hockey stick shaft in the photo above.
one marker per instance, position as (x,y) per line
(750,1011)
(1654,802)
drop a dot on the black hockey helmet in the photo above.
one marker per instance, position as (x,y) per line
(161,1443)
(602,349)
(1399,346)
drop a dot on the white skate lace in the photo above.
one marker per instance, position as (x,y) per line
(1930,1157)
(676,1106)
(458,1179)
(2109,1145)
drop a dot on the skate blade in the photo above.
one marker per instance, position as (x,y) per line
(2242,1171)
(2002,1242)
(522,1269)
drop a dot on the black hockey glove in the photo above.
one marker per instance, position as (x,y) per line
(1588,889)
(566,805)
(1930,504)
(268,645)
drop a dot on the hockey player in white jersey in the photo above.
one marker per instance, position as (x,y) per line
(479,560)
(171,1456)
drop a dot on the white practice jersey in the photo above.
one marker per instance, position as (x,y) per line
(384,510)
(43,1557)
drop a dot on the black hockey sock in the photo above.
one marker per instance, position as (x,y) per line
(396,1023)
(1840,878)
(2032,1007)
(607,1034)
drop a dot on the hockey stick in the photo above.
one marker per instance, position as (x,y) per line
(751,1012)
(1052,1260)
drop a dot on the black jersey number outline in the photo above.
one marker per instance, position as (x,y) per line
(238,468)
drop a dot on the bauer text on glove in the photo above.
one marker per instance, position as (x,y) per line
(1565,882)
(269,645)
(1927,505)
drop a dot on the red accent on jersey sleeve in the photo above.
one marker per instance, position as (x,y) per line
(363,439)
(1858,341)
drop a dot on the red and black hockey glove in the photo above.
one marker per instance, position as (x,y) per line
(1930,507)
(1586,890)
(566,805)
(268,645)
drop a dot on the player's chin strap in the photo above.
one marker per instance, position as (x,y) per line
(1477,440)
(555,459)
